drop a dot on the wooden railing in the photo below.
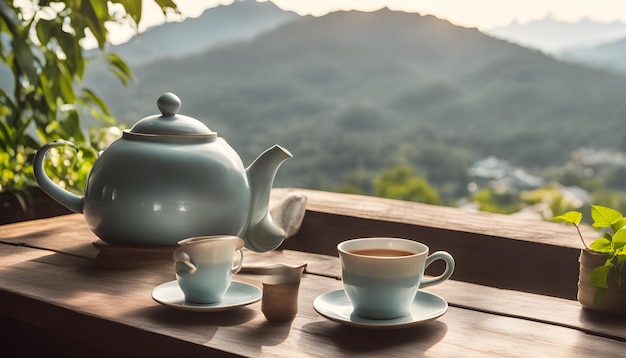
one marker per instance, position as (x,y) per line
(495,250)
(489,249)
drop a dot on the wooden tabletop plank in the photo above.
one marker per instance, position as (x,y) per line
(69,234)
(103,296)
(48,278)
(557,311)
(91,298)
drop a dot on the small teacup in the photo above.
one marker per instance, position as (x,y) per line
(382,275)
(204,266)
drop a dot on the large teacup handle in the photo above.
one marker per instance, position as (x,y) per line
(237,267)
(183,263)
(439,255)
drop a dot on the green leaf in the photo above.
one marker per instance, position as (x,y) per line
(71,127)
(44,31)
(619,224)
(91,97)
(67,89)
(29,141)
(599,296)
(604,217)
(101,10)
(7,136)
(619,240)
(621,258)
(71,48)
(599,276)
(26,60)
(601,245)
(10,17)
(94,22)
(165,4)
(48,92)
(120,68)
(133,8)
(570,217)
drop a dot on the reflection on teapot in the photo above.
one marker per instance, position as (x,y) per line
(170,177)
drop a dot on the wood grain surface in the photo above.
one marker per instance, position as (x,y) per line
(53,292)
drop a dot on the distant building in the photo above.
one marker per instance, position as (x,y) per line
(499,174)
(575,196)
(490,168)
(596,157)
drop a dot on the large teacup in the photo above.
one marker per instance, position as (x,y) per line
(205,265)
(381,276)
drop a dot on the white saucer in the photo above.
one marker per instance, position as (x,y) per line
(336,307)
(238,294)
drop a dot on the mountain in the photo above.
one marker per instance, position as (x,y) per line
(553,36)
(351,94)
(242,20)
(608,56)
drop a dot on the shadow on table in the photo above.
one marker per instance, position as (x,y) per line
(607,325)
(268,334)
(187,324)
(358,340)
(188,319)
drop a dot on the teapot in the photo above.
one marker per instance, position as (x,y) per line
(169,178)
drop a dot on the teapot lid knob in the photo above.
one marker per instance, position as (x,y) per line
(170,126)
(168,104)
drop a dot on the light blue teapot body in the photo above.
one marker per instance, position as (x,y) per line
(169,178)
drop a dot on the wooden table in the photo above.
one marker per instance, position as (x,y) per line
(55,300)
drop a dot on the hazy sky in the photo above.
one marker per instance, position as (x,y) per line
(483,14)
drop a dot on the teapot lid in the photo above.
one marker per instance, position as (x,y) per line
(169,123)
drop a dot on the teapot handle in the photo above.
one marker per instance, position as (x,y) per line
(64,197)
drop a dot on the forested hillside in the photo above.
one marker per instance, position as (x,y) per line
(608,56)
(352,94)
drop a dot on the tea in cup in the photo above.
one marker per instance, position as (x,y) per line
(205,265)
(382,275)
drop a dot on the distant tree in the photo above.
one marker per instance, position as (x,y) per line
(445,167)
(610,198)
(494,201)
(402,183)
(357,182)
(615,178)
(551,196)
(360,117)
(579,177)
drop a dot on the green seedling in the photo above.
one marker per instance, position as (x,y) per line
(612,243)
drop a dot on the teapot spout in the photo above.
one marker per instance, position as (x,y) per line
(262,234)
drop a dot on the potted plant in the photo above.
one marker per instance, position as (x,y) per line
(601,281)
(42,64)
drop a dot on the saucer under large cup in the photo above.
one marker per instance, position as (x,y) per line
(336,307)
(238,294)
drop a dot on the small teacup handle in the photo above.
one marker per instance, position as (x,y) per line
(183,263)
(237,267)
(439,255)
